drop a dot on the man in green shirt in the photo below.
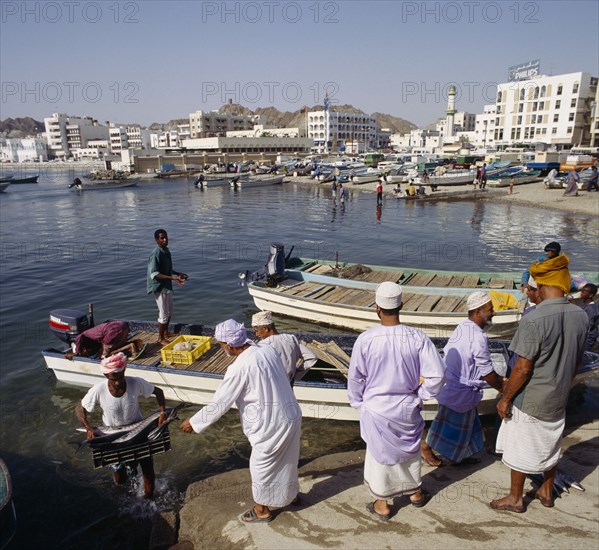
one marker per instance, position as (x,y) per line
(160,282)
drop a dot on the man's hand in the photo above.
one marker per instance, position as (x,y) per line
(90,432)
(504,408)
(161,418)
(69,356)
(186,427)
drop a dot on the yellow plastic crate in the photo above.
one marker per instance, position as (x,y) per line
(202,345)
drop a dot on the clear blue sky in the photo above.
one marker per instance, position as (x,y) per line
(152,61)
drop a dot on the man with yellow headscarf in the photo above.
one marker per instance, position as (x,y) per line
(549,343)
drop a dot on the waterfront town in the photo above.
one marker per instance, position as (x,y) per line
(549,113)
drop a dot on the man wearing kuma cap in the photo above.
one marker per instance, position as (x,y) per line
(296,357)
(393,369)
(456,432)
(270,418)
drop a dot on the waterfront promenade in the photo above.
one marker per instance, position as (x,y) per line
(333,513)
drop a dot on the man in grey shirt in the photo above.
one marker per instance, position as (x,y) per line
(549,343)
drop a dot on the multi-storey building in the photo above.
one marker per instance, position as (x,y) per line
(214,124)
(331,129)
(555,110)
(65,133)
(23,149)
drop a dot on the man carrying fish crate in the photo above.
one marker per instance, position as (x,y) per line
(118,399)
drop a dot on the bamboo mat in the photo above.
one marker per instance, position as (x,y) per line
(330,353)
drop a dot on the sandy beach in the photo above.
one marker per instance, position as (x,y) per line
(528,194)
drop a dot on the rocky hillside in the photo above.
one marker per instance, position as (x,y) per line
(21,127)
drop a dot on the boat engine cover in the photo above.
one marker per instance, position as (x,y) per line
(67,324)
(275,266)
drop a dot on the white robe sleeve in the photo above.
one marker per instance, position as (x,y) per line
(432,369)
(227,393)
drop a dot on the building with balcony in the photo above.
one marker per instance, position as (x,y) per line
(331,129)
(65,133)
(204,124)
(29,149)
(555,110)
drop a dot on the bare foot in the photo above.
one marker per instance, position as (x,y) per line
(428,456)
(163,342)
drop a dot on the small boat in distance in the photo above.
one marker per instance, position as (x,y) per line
(102,185)
(255,181)
(30,179)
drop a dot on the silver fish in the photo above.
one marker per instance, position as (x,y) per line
(569,480)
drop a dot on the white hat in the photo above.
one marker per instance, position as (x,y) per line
(388,295)
(477,299)
(532,283)
(232,333)
(262,319)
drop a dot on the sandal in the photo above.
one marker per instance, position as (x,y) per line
(382,517)
(426,496)
(250,517)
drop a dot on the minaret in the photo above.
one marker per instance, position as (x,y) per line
(450,112)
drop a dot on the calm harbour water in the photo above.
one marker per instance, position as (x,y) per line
(63,249)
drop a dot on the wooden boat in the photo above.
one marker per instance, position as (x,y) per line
(103,185)
(3,187)
(8,516)
(255,181)
(31,179)
(218,181)
(434,301)
(321,393)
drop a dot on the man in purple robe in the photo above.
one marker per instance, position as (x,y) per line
(393,369)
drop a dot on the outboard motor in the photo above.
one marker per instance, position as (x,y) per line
(273,271)
(67,324)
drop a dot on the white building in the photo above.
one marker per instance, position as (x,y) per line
(124,137)
(23,149)
(249,145)
(260,130)
(331,129)
(484,127)
(65,133)
(204,124)
(595,120)
(555,110)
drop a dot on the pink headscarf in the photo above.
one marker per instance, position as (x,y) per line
(114,363)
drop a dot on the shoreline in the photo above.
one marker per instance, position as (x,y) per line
(332,513)
(527,194)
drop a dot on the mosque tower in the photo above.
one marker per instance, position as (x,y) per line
(451,111)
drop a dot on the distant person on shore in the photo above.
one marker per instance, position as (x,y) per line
(105,340)
(270,418)
(334,188)
(118,398)
(393,369)
(379,192)
(411,190)
(552,250)
(456,432)
(397,190)
(572,184)
(297,358)
(483,176)
(592,184)
(588,302)
(160,282)
(533,405)
(512,181)
(421,191)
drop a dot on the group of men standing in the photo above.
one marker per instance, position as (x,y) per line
(393,370)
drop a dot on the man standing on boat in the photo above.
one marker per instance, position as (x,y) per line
(287,345)
(549,343)
(160,282)
(393,369)
(118,399)
(456,433)
(270,418)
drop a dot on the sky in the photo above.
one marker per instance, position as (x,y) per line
(153,61)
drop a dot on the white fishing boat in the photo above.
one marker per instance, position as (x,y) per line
(367,176)
(321,392)
(209,181)
(434,301)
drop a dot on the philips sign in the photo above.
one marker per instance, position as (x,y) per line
(524,71)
